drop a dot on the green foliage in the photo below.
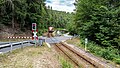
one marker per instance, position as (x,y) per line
(26,12)
(99,21)
(71,24)
(40,32)
(109,53)
(58,19)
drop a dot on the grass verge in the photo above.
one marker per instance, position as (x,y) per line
(29,57)
(65,63)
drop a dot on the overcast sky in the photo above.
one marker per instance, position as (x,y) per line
(61,5)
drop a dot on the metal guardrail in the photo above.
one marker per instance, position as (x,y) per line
(16,43)
(11,44)
(3,43)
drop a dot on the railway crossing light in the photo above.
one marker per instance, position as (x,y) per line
(34,26)
(35,37)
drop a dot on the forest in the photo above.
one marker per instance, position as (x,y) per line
(99,21)
(26,12)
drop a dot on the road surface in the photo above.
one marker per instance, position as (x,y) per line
(56,39)
(48,40)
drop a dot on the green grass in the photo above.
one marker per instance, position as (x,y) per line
(65,63)
(21,58)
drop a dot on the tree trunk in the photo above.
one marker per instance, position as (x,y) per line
(12,15)
(13,22)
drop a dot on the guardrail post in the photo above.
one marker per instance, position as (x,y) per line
(11,47)
(21,45)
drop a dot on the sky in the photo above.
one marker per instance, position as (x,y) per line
(61,5)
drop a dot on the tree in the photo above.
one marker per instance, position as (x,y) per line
(98,20)
(9,3)
(25,12)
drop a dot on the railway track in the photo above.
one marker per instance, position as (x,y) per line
(67,55)
(76,59)
(80,60)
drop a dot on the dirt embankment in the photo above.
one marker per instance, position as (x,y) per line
(6,31)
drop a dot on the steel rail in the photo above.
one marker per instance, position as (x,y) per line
(65,53)
(72,59)
(72,50)
(68,56)
(93,60)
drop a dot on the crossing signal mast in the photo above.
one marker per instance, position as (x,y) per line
(33,26)
(34,31)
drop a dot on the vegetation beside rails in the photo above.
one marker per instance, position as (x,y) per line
(65,63)
(108,53)
(40,32)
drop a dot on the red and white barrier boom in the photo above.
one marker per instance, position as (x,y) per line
(34,30)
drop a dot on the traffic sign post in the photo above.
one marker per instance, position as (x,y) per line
(34,30)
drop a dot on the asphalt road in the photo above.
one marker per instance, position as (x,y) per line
(48,40)
(56,39)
